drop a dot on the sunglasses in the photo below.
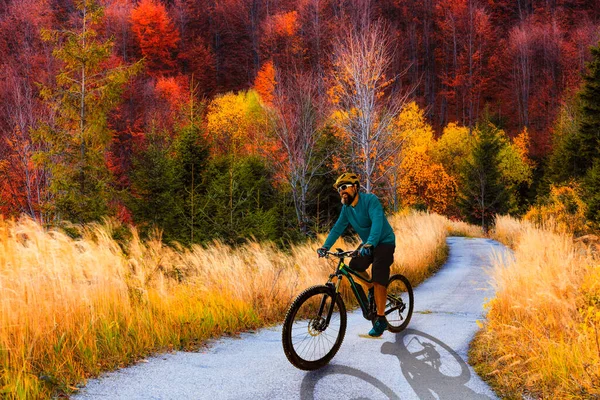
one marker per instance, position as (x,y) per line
(343,187)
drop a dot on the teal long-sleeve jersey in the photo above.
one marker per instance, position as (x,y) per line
(368,220)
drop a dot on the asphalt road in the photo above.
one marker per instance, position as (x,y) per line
(426,361)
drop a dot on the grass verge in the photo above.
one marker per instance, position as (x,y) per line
(541,335)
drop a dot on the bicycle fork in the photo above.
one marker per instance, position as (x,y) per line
(334,293)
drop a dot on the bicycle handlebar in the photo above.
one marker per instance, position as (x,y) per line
(342,254)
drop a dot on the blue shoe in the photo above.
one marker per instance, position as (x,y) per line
(380,326)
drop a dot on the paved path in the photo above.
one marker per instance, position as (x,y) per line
(426,361)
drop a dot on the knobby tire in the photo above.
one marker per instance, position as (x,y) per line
(293,328)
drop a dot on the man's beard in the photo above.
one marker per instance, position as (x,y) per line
(347,200)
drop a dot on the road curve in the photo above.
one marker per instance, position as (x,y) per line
(426,361)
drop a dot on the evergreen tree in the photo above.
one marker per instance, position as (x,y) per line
(482,193)
(240,201)
(75,147)
(588,136)
(591,187)
(155,182)
(561,166)
(190,162)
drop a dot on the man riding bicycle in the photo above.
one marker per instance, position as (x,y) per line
(364,212)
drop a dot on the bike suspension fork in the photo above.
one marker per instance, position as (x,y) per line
(334,293)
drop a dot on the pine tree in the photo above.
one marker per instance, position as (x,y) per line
(591,187)
(191,160)
(482,193)
(240,201)
(588,136)
(155,181)
(86,91)
(561,165)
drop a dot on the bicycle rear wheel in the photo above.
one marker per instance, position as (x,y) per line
(308,342)
(400,303)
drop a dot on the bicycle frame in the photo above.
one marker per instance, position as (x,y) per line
(343,270)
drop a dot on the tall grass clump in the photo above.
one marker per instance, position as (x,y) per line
(508,230)
(72,308)
(461,228)
(420,244)
(541,336)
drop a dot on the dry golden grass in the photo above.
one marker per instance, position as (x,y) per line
(460,228)
(541,333)
(73,308)
(508,230)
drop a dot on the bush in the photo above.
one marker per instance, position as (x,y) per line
(564,211)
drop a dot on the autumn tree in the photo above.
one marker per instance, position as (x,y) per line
(236,124)
(516,169)
(465,35)
(297,117)
(361,61)
(281,41)
(418,180)
(453,148)
(521,49)
(24,60)
(75,146)
(265,82)
(424,183)
(411,134)
(118,25)
(156,36)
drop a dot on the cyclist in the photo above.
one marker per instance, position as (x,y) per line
(364,212)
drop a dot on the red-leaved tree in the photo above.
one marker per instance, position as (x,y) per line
(156,36)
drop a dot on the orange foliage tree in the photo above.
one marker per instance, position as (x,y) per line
(156,35)
(420,180)
(426,183)
(265,82)
(281,41)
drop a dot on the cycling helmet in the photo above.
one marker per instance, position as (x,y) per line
(347,177)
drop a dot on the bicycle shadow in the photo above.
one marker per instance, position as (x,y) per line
(431,367)
(425,369)
(309,383)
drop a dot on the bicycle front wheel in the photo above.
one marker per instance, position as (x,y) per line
(400,303)
(309,342)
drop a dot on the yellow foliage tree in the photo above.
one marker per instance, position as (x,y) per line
(453,147)
(411,128)
(419,180)
(236,124)
(563,212)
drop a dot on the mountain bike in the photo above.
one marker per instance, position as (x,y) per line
(315,324)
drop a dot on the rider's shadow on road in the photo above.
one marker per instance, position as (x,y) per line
(428,365)
(431,366)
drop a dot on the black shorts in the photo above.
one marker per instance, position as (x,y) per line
(382,259)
